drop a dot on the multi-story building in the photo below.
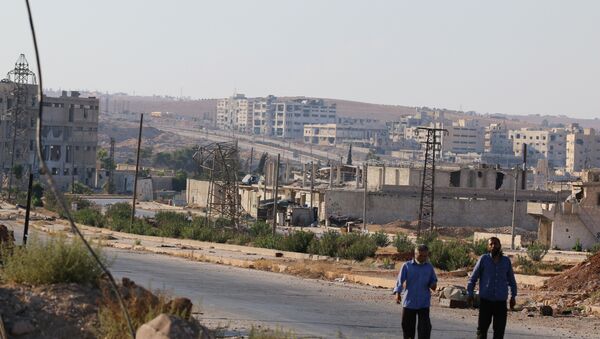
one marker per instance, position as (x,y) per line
(235,113)
(332,134)
(286,118)
(583,150)
(541,144)
(70,138)
(464,136)
(497,140)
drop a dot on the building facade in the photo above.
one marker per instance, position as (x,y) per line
(235,114)
(582,150)
(541,144)
(464,136)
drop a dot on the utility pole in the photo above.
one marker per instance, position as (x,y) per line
(514,208)
(26,228)
(364,196)
(312,187)
(275,190)
(432,145)
(137,167)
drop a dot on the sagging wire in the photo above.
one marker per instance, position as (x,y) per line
(52,185)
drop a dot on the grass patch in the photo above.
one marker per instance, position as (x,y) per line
(56,260)
(266,333)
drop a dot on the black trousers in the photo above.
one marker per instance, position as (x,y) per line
(409,322)
(489,310)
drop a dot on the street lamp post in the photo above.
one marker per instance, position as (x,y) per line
(514,208)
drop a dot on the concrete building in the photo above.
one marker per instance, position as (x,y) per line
(573,220)
(497,140)
(583,149)
(235,113)
(464,136)
(333,134)
(70,138)
(541,144)
(286,118)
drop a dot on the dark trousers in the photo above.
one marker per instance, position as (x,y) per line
(491,309)
(409,320)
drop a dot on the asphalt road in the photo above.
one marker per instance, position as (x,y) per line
(240,298)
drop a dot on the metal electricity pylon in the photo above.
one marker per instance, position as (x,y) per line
(19,120)
(220,160)
(426,205)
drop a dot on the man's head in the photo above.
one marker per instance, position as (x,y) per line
(421,254)
(494,246)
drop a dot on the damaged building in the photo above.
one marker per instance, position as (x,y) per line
(565,223)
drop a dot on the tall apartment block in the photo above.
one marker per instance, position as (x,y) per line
(583,149)
(286,118)
(549,144)
(464,136)
(235,114)
(70,138)
(497,140)
(69,130)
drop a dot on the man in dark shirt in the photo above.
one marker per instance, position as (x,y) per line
(495,274)
(413,289)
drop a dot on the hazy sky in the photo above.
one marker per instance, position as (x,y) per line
(502,56)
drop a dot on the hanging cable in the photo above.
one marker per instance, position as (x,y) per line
(51,184)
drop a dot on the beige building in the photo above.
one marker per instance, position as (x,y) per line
(464,136)
(332,134)
(582,150)
(541,144)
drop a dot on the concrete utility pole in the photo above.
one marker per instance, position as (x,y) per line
(364,196)
(137,167)
(312,187)
(514,208)
(276,189)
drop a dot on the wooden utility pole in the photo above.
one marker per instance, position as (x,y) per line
(275,190)
(137,167)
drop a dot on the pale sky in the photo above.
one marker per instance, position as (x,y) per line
(515,57)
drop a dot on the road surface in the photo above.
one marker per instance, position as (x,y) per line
(240,298)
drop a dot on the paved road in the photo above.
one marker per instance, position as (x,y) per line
(242,297)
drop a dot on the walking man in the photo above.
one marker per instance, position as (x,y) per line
(495,274)
(413,289)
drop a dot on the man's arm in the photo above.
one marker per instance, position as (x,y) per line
(400,283)
(512,282)
(433,281)
(474,277)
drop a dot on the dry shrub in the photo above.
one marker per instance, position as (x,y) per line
(267,333)
(142,306)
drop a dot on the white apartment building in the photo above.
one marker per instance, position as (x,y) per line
(235,113)
(286,118)
(583,150)
(541,144)
(464,136)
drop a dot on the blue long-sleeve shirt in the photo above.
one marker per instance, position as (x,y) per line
(418,279)
(494,278)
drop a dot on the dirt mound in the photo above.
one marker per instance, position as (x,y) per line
(585,277)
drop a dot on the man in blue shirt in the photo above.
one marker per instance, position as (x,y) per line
(413,289)
(495,274)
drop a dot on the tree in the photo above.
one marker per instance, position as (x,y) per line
(179,181)
(349,157)
(105,161)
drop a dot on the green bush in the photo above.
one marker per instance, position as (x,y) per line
(578,246)
(595,248)
(118,216)
(403,244)
(427,237)
(56,260)
(449,256)
(526,266)
(260,228)
(326,245)
(480,247)
(89,216)
(537,251)
(356,247)
(269,241)
(381,238)
(297,242)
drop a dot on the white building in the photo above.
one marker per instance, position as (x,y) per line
(235,114)
(332,134)
(497,140)
(541,144)
(464,136)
